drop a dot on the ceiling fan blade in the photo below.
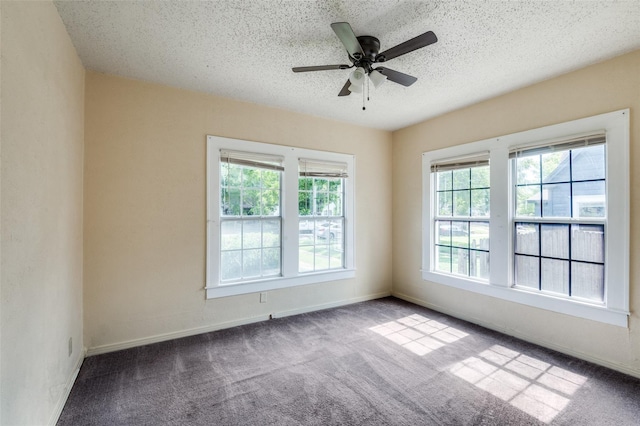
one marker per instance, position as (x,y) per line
(348,38)
(345,89)
(321,68)
(397,77)
(408,46)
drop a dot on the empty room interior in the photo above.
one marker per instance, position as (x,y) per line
(320,212)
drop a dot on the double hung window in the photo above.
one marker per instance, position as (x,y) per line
(461,220)
(276,216)
(560,217)
(548,207)
(250,218)
(321,215)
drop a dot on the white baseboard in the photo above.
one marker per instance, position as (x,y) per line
(97,350)
(544,343)
(330,305)
(57,411)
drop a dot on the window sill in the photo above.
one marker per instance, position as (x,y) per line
(548,302)
(235,289)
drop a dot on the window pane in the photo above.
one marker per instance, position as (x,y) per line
(480,202)
(270,179)
(461,178)
(305,184)
(460,261)
(555,167)
(479,235)
(251,202)
(231,265)
(271,261)
(251,177)
(319,203)
(443,262)
(555,276)
(479,264)
(230,203)
(305,203)
(231,235)
(443,228)
(527,239)
(555,241)
(556,200)
(527,271)
(445,181)
(271,202)
(587,281)
(251,262)
(588,163)
(271,233)
(334,206)
(336,258)
(528,169)
(445,203)
(230,174)
(251,234)
(589,199)
(305,258)
(480,177)
(305,229)
(587,243)
(460,234)
(322,258)
(461,203)
(528,201)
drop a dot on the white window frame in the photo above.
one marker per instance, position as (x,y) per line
(290,276)
(615,308)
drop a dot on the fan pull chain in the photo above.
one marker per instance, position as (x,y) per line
(363,90)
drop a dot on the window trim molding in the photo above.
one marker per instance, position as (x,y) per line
(615,309)
(290,276)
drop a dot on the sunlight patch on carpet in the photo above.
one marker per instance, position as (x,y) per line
(419,334)
(536,387)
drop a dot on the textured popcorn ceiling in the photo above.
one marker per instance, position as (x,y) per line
(245,49)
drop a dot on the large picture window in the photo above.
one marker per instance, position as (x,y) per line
(276,216)
(549,207)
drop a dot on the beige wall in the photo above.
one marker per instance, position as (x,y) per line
(41,214)
(144,219)
(601,88)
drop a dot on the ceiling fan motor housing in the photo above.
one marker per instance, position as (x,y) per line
(370,46)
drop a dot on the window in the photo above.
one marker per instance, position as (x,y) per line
(461,221)
(276,216)
(250,219)
(550,209)
(560,217)
(321,215)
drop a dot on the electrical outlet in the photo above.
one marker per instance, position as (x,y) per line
(70,345)
(263,297)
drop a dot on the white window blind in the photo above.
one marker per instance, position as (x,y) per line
(560,145)
(475,160)
(252,159)
(315,168)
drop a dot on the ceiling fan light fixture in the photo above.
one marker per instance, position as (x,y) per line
(377,78)
(357,77)
(354,88)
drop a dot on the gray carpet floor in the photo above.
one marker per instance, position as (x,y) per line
(383,362)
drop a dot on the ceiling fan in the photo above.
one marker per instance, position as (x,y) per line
(363,54)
